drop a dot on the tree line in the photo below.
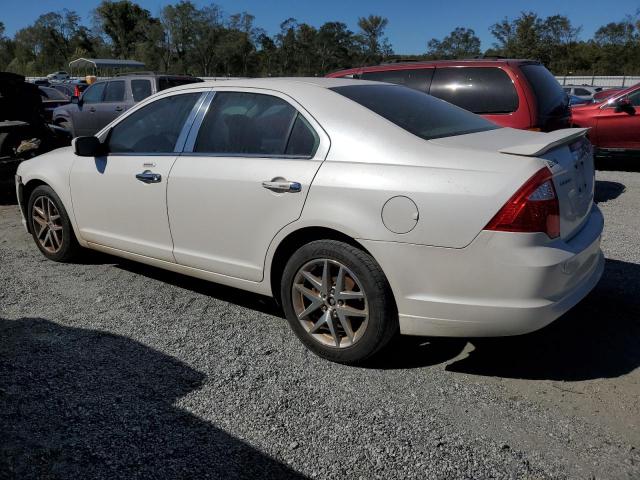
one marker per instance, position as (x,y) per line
(206,41)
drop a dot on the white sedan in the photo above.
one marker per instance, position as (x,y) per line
(366,209)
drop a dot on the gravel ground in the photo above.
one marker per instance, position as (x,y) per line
(110,369)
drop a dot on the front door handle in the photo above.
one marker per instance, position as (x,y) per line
(92,109)
(149,177)
(282,186)
(118,108)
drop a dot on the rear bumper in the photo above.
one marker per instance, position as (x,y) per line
(502,284)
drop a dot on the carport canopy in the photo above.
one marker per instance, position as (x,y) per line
(104,63)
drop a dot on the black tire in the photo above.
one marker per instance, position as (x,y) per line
(382,321)
(68,248)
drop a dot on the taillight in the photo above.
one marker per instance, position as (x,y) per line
(533,208)
(76,91)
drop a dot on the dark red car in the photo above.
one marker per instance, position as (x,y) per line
(614,123)
(512,93)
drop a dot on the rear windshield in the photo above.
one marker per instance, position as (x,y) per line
(418,113)
(169,82)
(551,98)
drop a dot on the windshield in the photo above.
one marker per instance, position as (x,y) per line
(423,115)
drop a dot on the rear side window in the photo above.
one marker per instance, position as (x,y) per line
(154,128)
(418,113)
(418,79)
(239,123)
(140,89)
(114,92)
(169,82)
(550,96)
(93,94)
(482,90)
(303,140)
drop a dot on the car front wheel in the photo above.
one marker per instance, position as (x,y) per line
(50,225)
(338,301)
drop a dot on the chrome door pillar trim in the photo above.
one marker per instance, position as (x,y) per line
(184,133)
(195,126)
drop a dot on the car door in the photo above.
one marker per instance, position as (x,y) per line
(244,175)
(112,105)
(119,199)
(618,128)
(84,116)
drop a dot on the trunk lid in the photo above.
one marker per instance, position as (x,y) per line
(567,153)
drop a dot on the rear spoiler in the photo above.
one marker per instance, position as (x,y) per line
(542,143)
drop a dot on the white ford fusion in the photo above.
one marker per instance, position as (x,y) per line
(364,208)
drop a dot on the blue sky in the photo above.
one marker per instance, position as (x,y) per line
(411,23)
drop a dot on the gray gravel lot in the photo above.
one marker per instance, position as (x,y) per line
(111,369)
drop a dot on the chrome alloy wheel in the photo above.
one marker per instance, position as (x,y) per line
(330,303)
(47,224)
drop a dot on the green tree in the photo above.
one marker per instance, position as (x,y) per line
(375,46)
(460,43)
(125,23)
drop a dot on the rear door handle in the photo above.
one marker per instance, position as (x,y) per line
(118,108)
(92,109)
(282,186)
(149,177)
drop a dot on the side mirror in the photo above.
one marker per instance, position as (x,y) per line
(75,99)
(624,105)
(88,147)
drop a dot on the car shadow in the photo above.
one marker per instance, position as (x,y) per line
(606,190)
(599,338)
(236,296)
(79,403)
(619,163)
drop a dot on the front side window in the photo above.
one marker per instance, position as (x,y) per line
(239,123)
(114,91)
(140,89)
(93,94)
(481,90)
(582,92)
(418,78)
(155,128)
(416,112)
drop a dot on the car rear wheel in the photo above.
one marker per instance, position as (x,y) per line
(50,225)
(338,301)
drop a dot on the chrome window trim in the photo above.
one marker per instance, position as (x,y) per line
(246,155)
(197,123)
(186,128)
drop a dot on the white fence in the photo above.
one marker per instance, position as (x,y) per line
(599,80)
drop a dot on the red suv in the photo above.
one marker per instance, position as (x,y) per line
(512,93)
(614,123)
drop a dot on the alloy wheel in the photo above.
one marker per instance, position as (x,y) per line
(330,303)
(47,224)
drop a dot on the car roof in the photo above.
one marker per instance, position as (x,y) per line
(278,83)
